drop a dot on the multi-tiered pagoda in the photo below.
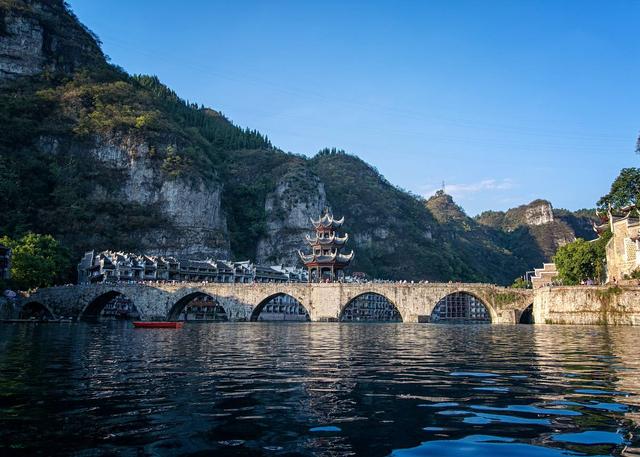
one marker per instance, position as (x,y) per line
(326,262)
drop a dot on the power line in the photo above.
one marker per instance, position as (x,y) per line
(496,128)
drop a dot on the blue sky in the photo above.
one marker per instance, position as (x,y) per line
(504,101)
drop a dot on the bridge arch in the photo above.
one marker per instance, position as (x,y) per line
(370,306)
(462,307)
(217,309)
(96,305)
(36,309)
(283,304)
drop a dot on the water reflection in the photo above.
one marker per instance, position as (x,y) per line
(317,389)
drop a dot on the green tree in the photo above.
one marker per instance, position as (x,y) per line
(36,261)
(578,261)
(520,283)
(625,190)
(600,246)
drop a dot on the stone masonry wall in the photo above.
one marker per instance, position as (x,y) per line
(587,305)
(621,251)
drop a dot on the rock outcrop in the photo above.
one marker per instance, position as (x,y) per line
(538,220)
(289,209)
(196,225)
(38,35)
(538,213)
(21,47)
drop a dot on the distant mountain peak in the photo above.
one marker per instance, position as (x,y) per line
(444,208)
(538,212)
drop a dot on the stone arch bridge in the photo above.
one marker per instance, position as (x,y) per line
(323,302)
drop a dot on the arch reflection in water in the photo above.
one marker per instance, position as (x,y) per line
(281,307)
(460,308)
(202,308)
(370,307)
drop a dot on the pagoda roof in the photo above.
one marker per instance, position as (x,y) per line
(335,258)
(345,258)
(600,228)
(616,214)
(333,239)
(313,258)
(627,209)
(327,221)
(629,215)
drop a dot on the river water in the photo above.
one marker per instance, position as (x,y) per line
(299,389)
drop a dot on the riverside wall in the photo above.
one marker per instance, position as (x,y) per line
(587,305)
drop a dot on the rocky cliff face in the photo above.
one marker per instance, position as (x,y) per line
(21,48)
(288,210)
(37,35)
(548,228)
(196,226)
(191,223)
(538,214)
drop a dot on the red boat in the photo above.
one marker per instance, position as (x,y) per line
(162,324)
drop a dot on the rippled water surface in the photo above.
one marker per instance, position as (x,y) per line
(318,389)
